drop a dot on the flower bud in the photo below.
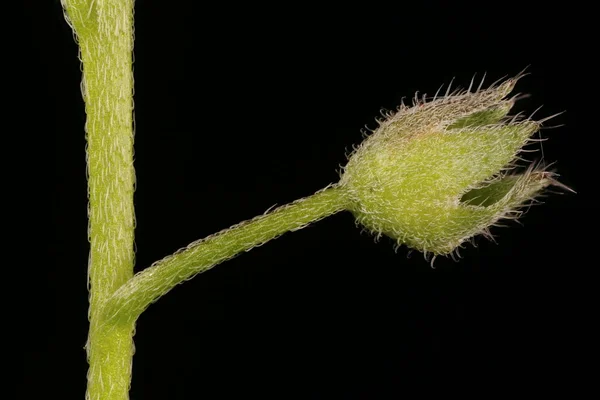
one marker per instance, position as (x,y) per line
(434,175)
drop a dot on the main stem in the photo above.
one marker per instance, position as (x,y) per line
(105,33)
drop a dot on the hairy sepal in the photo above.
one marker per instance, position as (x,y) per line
(433,176)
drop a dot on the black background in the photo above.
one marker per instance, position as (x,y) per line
(239,108)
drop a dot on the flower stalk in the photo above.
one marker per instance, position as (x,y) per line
(132,298)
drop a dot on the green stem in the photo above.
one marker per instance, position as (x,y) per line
(131,299)
(105,34)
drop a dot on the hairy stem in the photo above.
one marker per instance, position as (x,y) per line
(104,31)
(131,299)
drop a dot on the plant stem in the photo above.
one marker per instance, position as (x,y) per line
(131,299)
(104,30)
(105,34)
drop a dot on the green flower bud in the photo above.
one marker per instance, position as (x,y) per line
(434,175)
